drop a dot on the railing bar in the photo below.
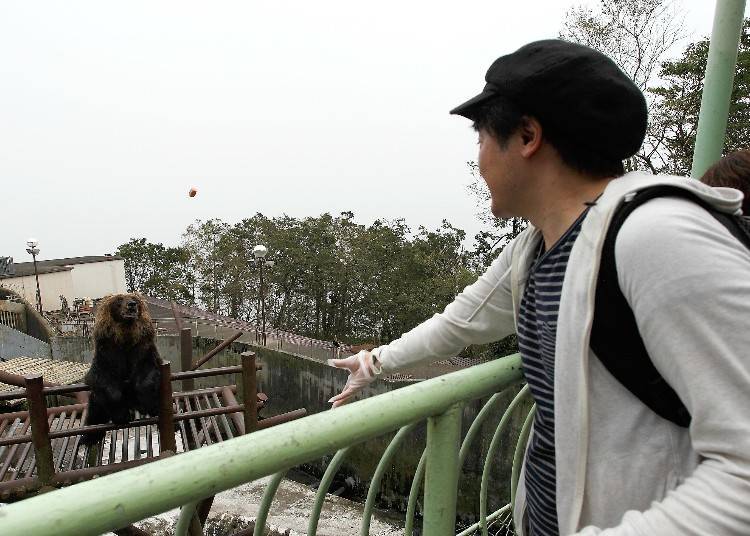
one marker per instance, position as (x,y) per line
(191,422)
(265,503)
(214,420)
(441,476)
(186,517)
(149,440)
(216,350)
(125,441)
(112,446)
(476,426)
(3,425)
(378,475)
(183,430)
(202,434)
(22,461)
(490,518)
(65,441)
(203,373)
(33,461)
(142,422)
(414,494)
(14,448)
(519,454)
(137,443)
(61,418)
(325,483)
(77,444)
(204,422)
(40,422)
(177,480)
(99,446)
(494,445)
(224,419)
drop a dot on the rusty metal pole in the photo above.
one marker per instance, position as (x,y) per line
(166,410)
(249,391)
(186,357)
(177,316)
(40,428)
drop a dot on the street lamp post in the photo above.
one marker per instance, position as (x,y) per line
(259,252)
(33,249)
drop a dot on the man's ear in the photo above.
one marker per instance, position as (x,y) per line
(531,136)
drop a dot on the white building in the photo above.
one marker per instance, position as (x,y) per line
(78,277)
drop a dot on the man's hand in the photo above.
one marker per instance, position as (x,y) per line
(362,372)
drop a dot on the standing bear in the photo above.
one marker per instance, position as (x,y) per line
(124,375)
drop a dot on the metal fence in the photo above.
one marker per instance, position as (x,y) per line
(183,480)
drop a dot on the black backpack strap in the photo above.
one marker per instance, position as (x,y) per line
(615,338)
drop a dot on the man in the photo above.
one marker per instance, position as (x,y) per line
(555,120)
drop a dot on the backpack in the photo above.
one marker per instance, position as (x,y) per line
(614,335)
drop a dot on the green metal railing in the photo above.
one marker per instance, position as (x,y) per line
(183,480)
(717,87)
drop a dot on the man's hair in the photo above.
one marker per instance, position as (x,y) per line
(732,171)
(502,118)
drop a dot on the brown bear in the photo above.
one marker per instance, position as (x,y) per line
(124,375)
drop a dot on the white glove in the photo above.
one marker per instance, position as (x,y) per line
(363,370)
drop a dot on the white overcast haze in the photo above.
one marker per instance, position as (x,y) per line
(111,111)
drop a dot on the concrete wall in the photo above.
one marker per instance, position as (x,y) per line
(51,286)
(98,279)
(292,382)
(14,343)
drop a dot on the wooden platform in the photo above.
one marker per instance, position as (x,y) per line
(54,371)
(132,445)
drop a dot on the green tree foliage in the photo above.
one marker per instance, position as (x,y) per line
(156,270)
(678,100)
(332,277)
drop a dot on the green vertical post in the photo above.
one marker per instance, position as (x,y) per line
(717,86)
(441,480)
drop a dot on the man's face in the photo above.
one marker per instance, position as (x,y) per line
(499,169)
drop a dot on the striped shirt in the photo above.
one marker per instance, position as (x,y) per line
(537,328)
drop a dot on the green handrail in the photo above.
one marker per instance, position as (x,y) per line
(178,480)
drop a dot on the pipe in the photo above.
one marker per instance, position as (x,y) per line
(717,87)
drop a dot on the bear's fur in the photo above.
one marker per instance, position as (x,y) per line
(124,375)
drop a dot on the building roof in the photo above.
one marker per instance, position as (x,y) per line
(56,265)
(71,261)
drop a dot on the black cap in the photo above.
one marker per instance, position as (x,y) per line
(574,91)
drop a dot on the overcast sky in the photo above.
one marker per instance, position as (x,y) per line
(111,111)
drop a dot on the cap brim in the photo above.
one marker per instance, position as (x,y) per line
(466,109)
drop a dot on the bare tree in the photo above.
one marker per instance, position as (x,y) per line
(637,35)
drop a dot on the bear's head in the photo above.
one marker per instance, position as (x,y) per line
(124,317)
